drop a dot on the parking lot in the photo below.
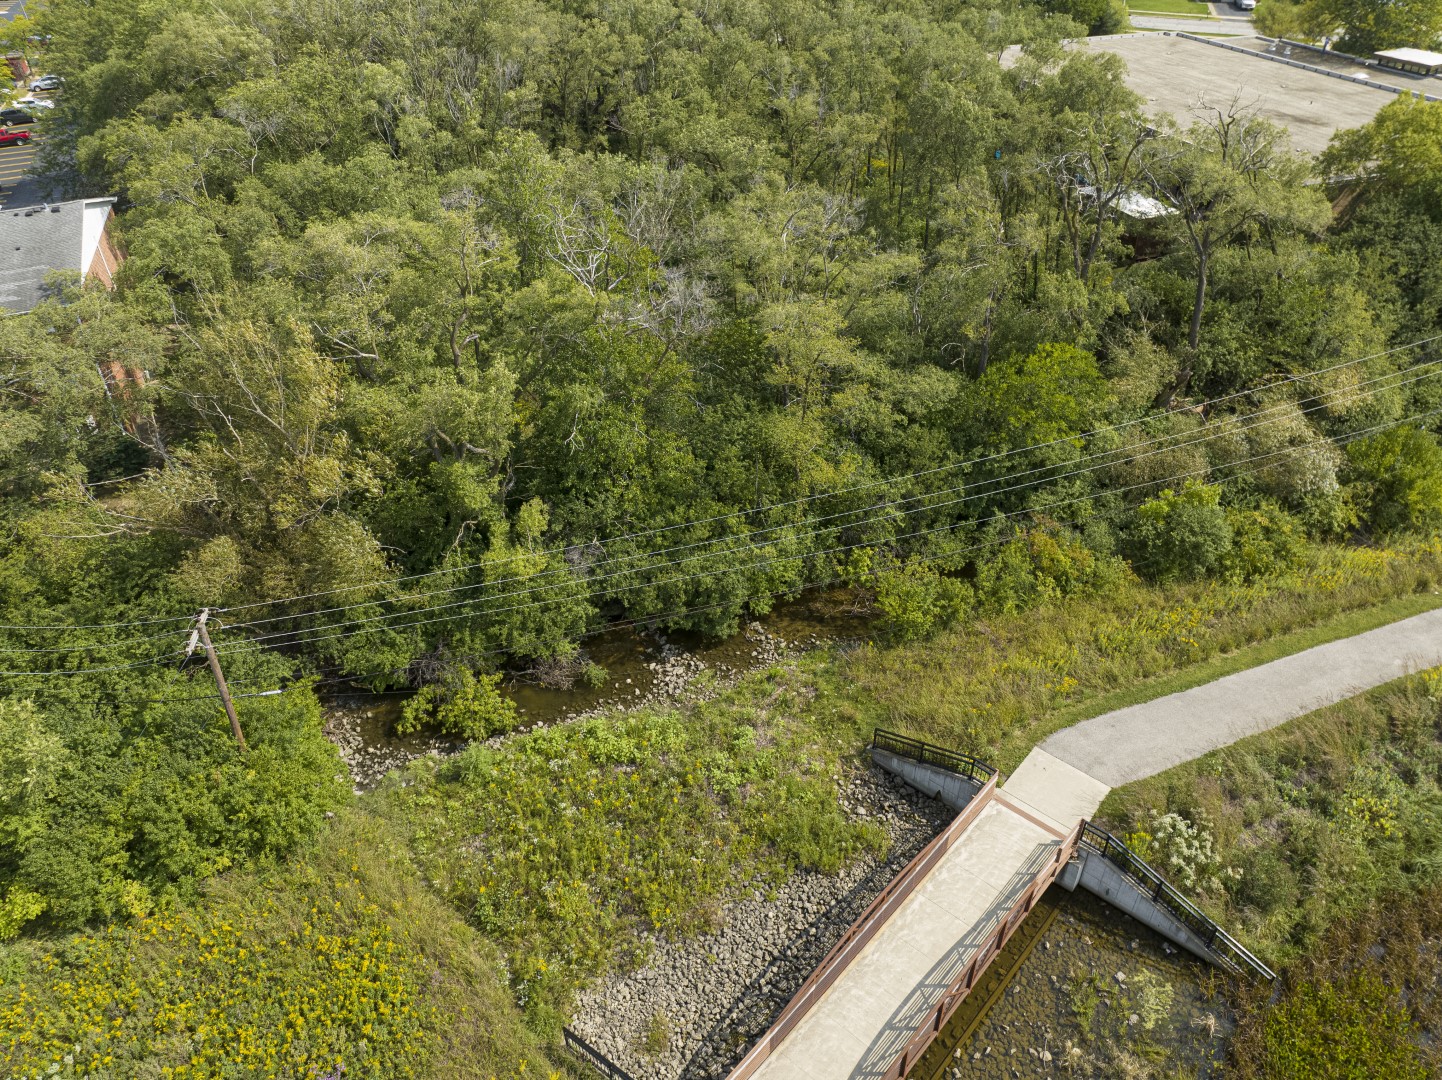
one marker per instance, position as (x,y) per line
(14,163)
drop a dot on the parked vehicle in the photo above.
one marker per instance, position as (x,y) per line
(1244,5)
(10,137)
(29,104)
(47,82)
(10,117)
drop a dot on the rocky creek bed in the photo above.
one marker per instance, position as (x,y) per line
(662,674)
(696,1005)
(1100,996)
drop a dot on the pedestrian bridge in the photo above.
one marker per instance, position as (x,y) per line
(888,987)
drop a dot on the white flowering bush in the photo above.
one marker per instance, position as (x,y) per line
(1186,852)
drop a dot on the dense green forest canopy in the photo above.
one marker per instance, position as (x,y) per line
(471,328)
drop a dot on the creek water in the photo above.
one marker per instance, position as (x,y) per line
(642,667)
(1099,995)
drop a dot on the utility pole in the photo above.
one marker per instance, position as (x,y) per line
(203,635)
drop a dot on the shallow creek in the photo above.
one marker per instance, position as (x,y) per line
(1097,994)
(642,668)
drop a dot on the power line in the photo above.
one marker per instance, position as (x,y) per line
(1288,379)
(753,538)
(98,670)
(300,636)
(388,621)
(1119,456)
(861,487)
(1338,441)
(253,646)
(659,617)
(297,636)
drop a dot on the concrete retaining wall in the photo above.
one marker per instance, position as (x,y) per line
(954,790)
(1101,877)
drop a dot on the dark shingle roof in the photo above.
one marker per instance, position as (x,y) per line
(35,240)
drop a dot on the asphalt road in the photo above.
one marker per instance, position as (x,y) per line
(1224,19)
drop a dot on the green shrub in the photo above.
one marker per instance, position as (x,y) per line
(1267,882)
(114,812)
(1181,534)
(466,704)
(1043,565)
(1356,1029)
(1397,480)
(916,600)
(1266,541)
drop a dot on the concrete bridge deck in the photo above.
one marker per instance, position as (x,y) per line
(871,1012)
(1000,864)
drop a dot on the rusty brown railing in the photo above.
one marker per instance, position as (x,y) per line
(961,985)
(861,932)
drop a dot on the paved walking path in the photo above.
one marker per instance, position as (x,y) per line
(857,1029)
(860,1025)
(1146,739)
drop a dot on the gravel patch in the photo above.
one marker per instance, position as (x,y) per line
(695,1007)
(367,747)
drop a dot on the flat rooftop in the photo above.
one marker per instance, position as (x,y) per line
(1177,75)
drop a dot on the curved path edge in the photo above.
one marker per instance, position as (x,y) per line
(1070,772)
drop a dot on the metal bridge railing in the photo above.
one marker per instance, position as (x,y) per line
(962,983)
(928,754)
(593,1057)
(1229,952)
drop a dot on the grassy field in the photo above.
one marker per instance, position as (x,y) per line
(1173,7)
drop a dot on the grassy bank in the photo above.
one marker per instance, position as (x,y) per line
(997,686)
(1362,1003)
(1306,824)
(1320,844)
(568,845)
(339,963)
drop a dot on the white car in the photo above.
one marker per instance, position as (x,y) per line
(33,102)
(1244,5)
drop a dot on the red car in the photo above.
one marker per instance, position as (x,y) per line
(14,138)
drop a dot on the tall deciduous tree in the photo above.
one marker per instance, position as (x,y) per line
(1231,178)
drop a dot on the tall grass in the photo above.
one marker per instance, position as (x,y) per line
(1319,818)
(997,686)
(338,963)
(570,846)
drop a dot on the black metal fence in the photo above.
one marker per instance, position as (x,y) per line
(593,1057)
(1229,953)
(929,754)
